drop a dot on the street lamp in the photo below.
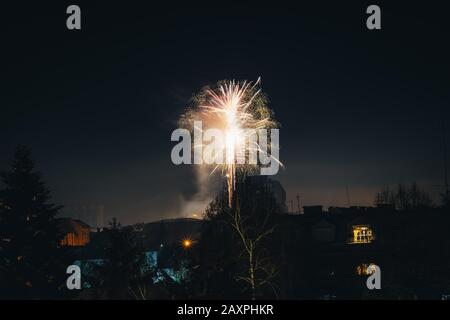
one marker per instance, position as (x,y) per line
(187,243)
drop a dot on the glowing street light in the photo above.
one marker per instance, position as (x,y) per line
(187,243)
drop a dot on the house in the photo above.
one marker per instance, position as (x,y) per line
(75,233)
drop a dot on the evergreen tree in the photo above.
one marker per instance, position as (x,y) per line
(124,274)
(28,233)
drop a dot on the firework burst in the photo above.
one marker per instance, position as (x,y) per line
(239,109)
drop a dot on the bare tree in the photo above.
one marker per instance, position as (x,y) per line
(404,198)
(385,197)
(417,197)
(260,271)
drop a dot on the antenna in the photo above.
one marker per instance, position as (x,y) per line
(298,203)
(348,196)
(444,155)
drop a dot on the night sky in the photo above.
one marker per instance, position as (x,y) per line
(357,108)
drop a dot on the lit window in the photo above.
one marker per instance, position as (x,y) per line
(363,269)
(362,234)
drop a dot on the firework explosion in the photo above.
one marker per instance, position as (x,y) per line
(239,109)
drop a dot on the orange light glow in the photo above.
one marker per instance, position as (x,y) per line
(187,243)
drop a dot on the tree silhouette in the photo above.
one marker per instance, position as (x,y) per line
(259,270)
(28,233)
(123,274)
(404,198)
(236,255)
(385,196)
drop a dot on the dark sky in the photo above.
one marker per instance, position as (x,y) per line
(357,107)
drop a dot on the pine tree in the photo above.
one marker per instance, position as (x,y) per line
(123,273)
(28,233)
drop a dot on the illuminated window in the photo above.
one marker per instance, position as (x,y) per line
(362,269)
(73,240)
(362,234)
